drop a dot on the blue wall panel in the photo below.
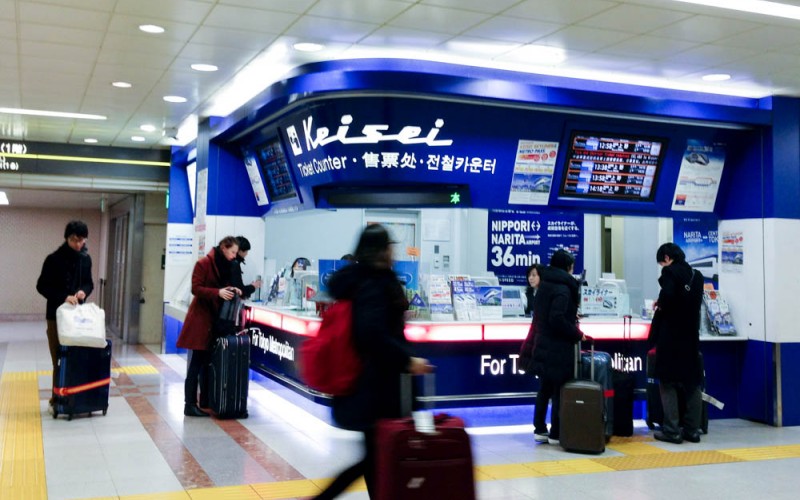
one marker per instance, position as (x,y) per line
(782,189)
(757,383)
(790,375)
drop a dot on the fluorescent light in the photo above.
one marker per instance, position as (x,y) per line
(204,67)
(147,127)
(53,114)
(90,140)
(137,138)
(3,198)
(122,85)
(717,77)
(174,98)
(151,28)
(774,9)
(541,54)
(308,47)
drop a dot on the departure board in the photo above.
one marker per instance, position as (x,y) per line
(612,166)
(277,178)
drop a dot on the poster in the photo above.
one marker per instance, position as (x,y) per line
(253,173)
(698,180)
(518,239)
(732,251)
(698,237)
(533,172)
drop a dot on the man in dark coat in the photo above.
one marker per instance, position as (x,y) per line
(379,305)
(66,277)
(555,320)
(236,272)
(676,337)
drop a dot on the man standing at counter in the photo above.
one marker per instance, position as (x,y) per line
(675,333)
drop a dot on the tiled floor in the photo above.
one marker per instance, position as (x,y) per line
(145,448)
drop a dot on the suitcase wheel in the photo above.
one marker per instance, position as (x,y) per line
(69,417)
(55,414)
(105,410)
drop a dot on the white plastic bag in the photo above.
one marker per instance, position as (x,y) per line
(82,325)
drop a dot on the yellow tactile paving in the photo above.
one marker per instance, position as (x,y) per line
(244,492)
(507,471)
(289,489)
(22,463)
(568,467)
(765,453)
(634,448)
(664,460)
(177,495)
(136,370)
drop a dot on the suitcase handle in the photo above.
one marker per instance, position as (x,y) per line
(407,393)
(578,357)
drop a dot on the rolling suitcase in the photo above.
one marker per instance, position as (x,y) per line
(83,377)
(423,465)
(582,412)
(655,411)
(603,374)
(229,376)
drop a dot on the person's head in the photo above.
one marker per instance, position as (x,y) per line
(229,247)
(244,246)
(533,274)
(669,253)
(300,264)
(348,257)
(375,247)
(76,234)
(563,260)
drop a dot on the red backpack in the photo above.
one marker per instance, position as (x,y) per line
(329,362)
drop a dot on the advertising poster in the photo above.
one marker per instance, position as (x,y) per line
(533,172)
(732,251)
(698,180)
(518,239)
(697,236)
(255,180)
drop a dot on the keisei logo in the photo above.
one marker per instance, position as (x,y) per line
(370,134)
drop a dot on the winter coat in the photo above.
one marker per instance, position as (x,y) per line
(555,321)
(379,305)
(675,329)
(64,273)
(204,309)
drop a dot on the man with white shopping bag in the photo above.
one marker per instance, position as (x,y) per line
(66,277)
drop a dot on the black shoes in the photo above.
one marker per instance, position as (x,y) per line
(691,437)
(660,436)
(194,411)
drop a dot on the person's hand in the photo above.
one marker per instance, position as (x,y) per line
(257,283)
(226,293)
(72,299)
(237,291)
(81,295)
(419,366)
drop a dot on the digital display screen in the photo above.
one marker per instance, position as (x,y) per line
(277,178)
(608,166)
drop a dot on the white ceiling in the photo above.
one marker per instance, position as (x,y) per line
(63,54)
(66,200)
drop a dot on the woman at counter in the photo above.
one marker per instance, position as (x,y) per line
(211,283)
(526,355)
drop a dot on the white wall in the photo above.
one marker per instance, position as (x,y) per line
(782,280)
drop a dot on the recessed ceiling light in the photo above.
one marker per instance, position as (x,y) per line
(151,28)
(90,140)
(717,77)
(147,127)
(122,85)
(54,114)
(308,47)
(3,198)
(204,67)
(137,138)
(174,98)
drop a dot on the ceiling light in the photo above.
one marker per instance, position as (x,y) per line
(174,98)
(308,47)
(54,114)
(717,77)
(122,85)
(752,6)
(542,54)
(148,128)
(137,138)
(151,28)
(90,140)
(204,67)
(3,198)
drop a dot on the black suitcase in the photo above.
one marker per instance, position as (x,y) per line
(603,375)
(582,412)
(229,376)
(82,380)
(655,411)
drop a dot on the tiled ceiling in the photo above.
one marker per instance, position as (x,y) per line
(62,55)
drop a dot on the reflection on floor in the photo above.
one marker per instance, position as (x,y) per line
(145,448)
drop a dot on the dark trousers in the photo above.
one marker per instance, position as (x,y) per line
(196,375)
(365,467)
(543,398)
(55,347)
(672,417)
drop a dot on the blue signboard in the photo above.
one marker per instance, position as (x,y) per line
(518,239)
(697,237)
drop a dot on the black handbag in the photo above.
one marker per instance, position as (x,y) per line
(228,320)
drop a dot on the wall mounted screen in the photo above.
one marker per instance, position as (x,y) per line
(277,178)
(611,166)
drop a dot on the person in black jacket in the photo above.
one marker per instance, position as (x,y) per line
(379,306)
(236,271)
(675,333)
(66,277)
(555,321)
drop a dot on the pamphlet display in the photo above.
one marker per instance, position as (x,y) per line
(718,313)
(465,300)
(439,298)
(490,302)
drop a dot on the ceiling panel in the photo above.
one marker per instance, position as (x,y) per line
(651,47)
(584,38)
(561,12)
(250,19)
(180,11)
(705,29)
(634,18)
(58,34)
(402,37)
(367,11)
(56,15)
(493,7)
(248,40)
(512,29)
(295,6)
(313,28)
(437,19)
